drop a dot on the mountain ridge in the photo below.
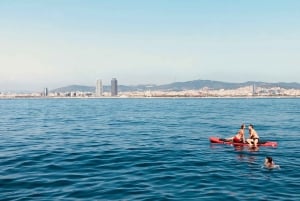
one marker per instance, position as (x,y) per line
(181,86)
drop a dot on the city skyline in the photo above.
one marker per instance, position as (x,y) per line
(195,88)
(113,86)
(58,43)
(180,86)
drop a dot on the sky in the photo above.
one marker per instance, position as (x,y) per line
(55,43)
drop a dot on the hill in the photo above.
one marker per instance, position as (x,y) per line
(180,86)
(74,88)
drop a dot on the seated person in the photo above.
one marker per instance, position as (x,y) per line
(240,137)
(253,138)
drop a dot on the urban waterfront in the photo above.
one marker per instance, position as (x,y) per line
(146,149)
(203,92)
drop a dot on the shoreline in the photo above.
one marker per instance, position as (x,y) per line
(156,97)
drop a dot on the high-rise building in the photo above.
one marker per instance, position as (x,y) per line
(99,88)
(45,92)
(253,89)
(114,87)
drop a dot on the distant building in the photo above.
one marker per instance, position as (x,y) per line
(99,88)
(253,89)
(114,87)
(45,92)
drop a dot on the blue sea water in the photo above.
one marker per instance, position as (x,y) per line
(146,149)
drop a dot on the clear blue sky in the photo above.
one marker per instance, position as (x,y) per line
(54,43)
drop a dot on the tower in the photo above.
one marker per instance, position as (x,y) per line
(99,88)
(253,89)
(114,87)
(45,92)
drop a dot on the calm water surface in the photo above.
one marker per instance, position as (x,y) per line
(146,149)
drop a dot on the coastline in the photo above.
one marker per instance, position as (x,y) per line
(144,97)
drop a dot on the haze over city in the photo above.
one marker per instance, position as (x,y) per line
(54,43)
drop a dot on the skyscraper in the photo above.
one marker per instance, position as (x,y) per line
(114,87)
(99,88)
(45,92)
(253,90)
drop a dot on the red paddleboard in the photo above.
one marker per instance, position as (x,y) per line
(218,140)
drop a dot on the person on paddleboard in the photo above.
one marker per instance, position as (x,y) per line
(240,136)
(253,136)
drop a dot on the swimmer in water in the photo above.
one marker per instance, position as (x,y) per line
(269,163)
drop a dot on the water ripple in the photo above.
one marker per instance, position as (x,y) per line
(145,149)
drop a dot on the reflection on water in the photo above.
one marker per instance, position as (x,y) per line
(249,148)
(242,153)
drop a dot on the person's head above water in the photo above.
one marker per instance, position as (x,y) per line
(269,163)
(243,126)
(269,159)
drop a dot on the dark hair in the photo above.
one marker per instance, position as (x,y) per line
(251,126)
(243,126)
(270,160)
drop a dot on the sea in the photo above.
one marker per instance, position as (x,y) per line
(147,149)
